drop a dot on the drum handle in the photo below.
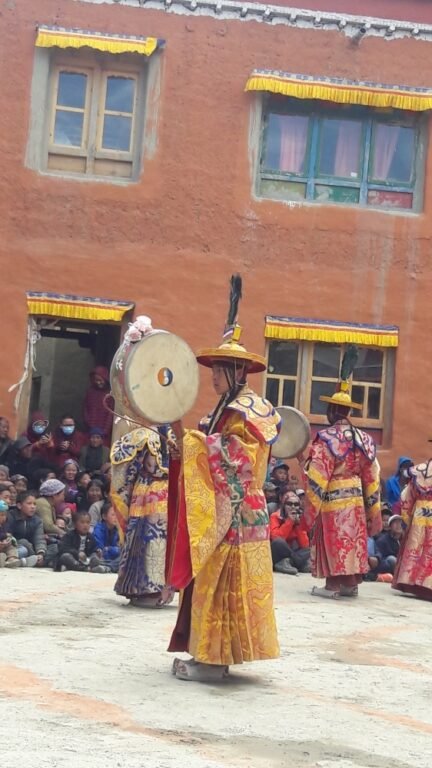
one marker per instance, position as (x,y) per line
(132,421)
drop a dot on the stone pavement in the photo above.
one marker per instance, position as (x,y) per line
(85,681)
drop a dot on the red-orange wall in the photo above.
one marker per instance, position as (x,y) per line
(171,242)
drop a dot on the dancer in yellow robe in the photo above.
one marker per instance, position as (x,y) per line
(219,548)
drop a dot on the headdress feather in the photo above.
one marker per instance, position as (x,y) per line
(235,296)
(349,362)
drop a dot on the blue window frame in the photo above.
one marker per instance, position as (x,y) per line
(330,153)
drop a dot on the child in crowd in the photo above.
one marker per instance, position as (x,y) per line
(64,514)
(107,536)
(20,482)
(8,549)
(5,493)
(96,496)
(78,550)
(27,528)
(388,545)
(386,513)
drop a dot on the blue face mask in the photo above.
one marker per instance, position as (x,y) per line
(68,430)
(39,430)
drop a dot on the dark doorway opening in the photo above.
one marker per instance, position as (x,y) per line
(65,354)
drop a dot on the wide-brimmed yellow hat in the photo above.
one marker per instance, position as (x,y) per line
(341,397)
(229,352)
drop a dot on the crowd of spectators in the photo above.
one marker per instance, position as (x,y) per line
(55,509)
(54,490)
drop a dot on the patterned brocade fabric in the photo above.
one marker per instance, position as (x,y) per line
(343,498)
(232,618)
(342,438)
(414,566)
(259,413)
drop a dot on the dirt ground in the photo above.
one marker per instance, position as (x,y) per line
(85,681)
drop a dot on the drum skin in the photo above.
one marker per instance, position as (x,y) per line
(294,435)
(156,379)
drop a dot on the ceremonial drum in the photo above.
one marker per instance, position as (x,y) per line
(294,435)
(154,380)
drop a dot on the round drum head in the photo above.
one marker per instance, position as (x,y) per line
(161,378)
(295,433)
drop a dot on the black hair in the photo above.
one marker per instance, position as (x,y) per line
(24,495)
(81,474)
(40,475)
(230,370)
(79,514)
(107,505)
(4,487)
(67,416)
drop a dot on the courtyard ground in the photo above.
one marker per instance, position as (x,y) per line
(85,681)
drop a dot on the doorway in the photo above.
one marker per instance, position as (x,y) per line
(65,354)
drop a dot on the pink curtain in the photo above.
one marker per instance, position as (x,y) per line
(385,142)
(347,155)
(293,141)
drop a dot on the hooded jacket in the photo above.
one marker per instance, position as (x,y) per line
(393,486)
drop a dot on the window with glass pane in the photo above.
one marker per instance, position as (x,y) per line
(286,143)
(70,108)
(283,363)
(118,113)
(340,151)
(348,155)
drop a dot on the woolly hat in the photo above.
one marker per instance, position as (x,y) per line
(51,487)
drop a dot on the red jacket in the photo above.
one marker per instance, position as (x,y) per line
(286,529)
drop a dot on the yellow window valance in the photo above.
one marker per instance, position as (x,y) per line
(341,91)
(332,332)
(57,37)
(77,307)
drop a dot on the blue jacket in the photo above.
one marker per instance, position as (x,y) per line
(107,540)
(393,487)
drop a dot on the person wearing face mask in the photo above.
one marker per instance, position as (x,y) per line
(342,495)
(40,436)
(397,482)
(68,441)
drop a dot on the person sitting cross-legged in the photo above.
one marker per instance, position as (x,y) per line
(78,550)
(288,540)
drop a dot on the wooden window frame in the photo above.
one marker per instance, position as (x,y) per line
(317,112)
(98,68)
(304,380)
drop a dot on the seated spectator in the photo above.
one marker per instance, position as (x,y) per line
(13,495)
(107,537)
(5,494)
(271,496)
(95,412)
(27,528)
(4,473)
(280,474)
(399,480)
(51,495)
(21,462)
(386,513)
(68,441)
(388,545)
(8,545)
(68,477)
(288,539)
(95,453)
(6,443)
(78,550)
(20,482)
(41,475)
(64,514)
(83,479)
(96,496)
